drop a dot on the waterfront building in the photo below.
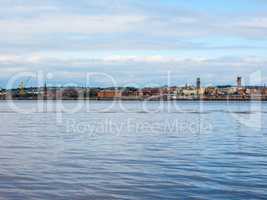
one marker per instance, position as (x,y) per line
(146,92)
(211,91)
(226,91)
(189,91)
(71,93)
(2,94)
(129,92)
(109,94)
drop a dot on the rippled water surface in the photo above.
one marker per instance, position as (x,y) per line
(133,150)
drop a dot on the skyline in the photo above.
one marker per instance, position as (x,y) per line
(134,41)
(41,83)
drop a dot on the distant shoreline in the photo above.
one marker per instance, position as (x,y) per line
(143,100)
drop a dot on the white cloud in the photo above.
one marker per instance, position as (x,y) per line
(67,24)
(95,28)
(152,37)
(257,23)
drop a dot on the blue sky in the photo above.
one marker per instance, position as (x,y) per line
(136,42)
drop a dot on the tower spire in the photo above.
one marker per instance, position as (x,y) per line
(45,91)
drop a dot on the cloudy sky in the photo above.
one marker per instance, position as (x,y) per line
(136,42)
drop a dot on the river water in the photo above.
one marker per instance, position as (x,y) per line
(133,150)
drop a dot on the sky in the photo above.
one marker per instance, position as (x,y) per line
(134,42)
